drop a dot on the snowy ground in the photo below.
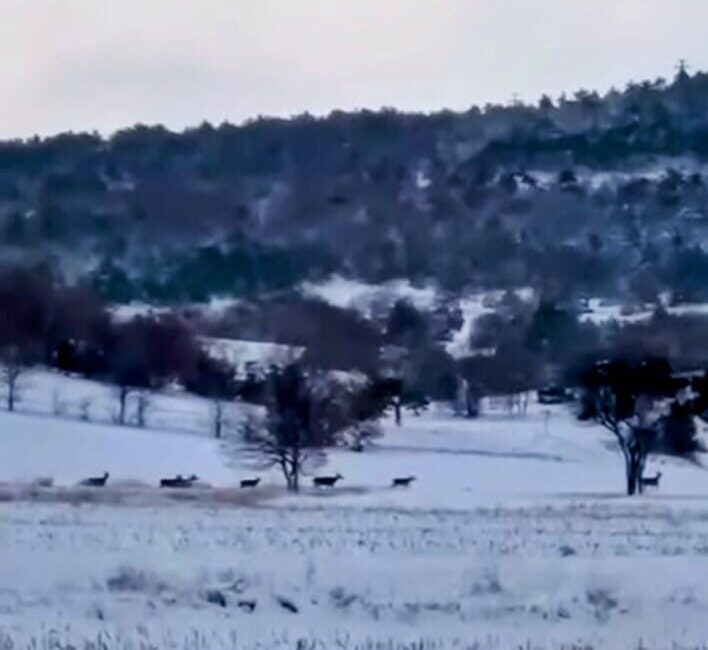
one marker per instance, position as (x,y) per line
(50,393)
(346,293)
(515,535)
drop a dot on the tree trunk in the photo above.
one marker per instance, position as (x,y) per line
(11,395)
(472,405)
(633,462)
(218,419)
(296,467)
(291,472)
(631,478)
(142,407)
(122,398)
(397,411)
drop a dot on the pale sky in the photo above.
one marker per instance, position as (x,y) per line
(106,64)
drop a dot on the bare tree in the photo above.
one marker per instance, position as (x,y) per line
(221,423)
(306,413)
(142,405)
(12,369)
(633,441)
(623,397)
(122,392)
(286,440)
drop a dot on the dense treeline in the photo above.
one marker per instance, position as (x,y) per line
(595,194)
(46,322)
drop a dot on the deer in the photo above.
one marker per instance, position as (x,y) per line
(403,481)
(95,481)
(653,481)
(178,481)
(326,481)
(250,482)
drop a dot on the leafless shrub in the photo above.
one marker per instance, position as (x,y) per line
(12,369)
(129,579)
(602,602)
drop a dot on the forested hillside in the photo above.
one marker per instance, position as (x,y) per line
(604,195)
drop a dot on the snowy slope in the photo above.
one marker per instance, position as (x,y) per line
(346,293)
(457,462)
(47,392)
(32,447)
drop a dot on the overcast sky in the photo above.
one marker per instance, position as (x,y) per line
(104,64)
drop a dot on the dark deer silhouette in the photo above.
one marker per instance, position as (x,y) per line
(178,481)
(326,481)
(250,482)
(95,481)
(652,481)
(403,481)
(247,605)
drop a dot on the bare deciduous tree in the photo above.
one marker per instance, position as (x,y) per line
(221,422)
(12,369)
(623,397)
(306,414)
(142,405)
(122,392)
(286,439)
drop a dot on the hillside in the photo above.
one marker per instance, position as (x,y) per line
(603,195)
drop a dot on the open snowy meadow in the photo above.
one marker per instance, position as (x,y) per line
(515,535)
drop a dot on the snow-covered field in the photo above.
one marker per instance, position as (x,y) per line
(49,393)
(515,535)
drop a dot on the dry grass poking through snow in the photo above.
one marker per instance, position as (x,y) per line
(567,576)
(232,639)
(137,496)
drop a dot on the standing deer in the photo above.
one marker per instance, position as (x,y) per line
(653,481)
(250,482)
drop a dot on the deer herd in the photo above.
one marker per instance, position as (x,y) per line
(180,481)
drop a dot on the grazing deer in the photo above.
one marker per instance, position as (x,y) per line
(95,481)
(403,481)
(326,481)
(178,481)
(652,481)
(250,482)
